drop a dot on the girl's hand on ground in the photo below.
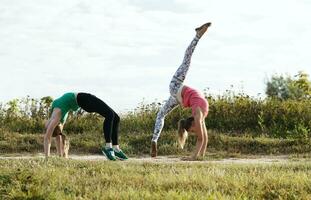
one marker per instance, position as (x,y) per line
(200,158)
(188,158)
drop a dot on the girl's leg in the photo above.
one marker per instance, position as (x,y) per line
(91,103)
(169,105)
(115,130)
(181,72)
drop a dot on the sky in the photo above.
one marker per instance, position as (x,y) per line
(126,51)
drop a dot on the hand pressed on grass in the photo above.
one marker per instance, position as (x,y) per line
(189,158)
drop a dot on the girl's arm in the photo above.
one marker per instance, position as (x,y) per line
(198,121)
(48,135)
(59,140)
(53,122)
(57,145)
(203,150)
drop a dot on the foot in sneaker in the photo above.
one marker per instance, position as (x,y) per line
(109,153)
(119,154)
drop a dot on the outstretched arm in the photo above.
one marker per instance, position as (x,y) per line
(53,122)
(198,120)
(205,135)
(59,145)
(59,140)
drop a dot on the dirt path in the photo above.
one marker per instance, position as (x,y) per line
(169,159)
(175,159)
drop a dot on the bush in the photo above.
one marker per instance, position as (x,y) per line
(236,114)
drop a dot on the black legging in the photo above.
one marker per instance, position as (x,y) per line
(91,103)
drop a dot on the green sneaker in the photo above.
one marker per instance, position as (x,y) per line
(120,155)
(109,153)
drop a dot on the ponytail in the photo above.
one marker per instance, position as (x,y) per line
(66,145)
(183,128)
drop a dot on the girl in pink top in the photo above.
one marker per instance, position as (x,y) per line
(192,98)
(187,97)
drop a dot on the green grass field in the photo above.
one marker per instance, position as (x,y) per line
(72,179)
(240,127)
(139,144)
(33,178)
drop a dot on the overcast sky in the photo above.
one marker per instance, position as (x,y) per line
(126,51)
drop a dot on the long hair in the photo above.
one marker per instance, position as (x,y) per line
(66,145)
(183,128)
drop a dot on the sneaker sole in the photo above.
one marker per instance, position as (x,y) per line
(107,156)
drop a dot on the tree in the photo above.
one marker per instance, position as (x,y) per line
(285,87)
(301,88)
(278,87)
(13,110)
(45,104)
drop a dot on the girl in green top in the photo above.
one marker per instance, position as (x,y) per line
(89,103)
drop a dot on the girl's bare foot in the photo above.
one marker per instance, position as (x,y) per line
(154,149)
(202,29)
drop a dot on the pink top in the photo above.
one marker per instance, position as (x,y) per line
(193,98)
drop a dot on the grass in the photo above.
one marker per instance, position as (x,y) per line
(70,179)
(139,144)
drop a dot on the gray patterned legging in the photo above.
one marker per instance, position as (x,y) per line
(175,84)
